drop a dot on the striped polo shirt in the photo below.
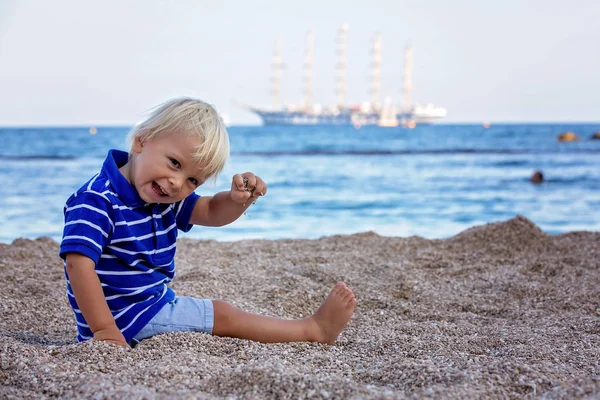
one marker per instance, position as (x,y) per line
(131,242)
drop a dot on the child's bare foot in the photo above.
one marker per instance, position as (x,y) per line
(334,313)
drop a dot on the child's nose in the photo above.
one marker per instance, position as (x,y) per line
(176,183)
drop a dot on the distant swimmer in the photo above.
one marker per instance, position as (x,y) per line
(596,136)
(568,137)
(537,177)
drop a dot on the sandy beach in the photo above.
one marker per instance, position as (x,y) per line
(501,310)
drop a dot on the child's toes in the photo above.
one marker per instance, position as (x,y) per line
(339,289)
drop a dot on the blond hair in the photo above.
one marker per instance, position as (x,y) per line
(190,117)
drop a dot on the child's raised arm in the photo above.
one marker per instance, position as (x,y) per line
(225,207)
(90,299)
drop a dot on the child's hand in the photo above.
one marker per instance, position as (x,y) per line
(247,187)
(111,335)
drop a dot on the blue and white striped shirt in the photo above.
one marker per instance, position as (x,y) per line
(131,242)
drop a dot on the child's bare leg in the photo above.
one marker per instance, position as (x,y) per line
(324,326)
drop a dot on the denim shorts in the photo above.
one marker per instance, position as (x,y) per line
(184,314)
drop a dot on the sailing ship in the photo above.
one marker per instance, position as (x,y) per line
(367,113)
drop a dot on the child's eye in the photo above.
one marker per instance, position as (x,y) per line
(194,181)
(174,162)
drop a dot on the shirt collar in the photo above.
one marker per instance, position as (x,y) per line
(125,190)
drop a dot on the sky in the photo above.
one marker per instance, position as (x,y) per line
(81,62)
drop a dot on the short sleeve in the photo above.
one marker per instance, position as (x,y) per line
(183,212)
(88,225)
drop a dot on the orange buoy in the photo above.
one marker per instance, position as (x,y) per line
(568,137)
(410,124)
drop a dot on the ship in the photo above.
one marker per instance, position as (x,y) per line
(372,112)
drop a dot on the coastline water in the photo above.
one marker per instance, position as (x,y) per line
(432,181)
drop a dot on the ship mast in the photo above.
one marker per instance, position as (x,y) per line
(407,78)
(308,77)
(276,68)
(376,83)
(341,67)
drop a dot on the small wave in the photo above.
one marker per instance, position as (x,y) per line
(515,163)
(564,181)
(571,180)
(325,152)
(345,152)
(35,157)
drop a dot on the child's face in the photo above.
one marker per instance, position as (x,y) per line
(163,169)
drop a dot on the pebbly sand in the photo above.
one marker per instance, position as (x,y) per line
(501,310)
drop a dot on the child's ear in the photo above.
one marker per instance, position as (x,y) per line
(138,144)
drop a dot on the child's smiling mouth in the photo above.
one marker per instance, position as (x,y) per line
(159,190)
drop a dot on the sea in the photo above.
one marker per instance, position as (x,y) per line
(432,181)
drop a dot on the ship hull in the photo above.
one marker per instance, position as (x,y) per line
(346,118)
(299,118)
